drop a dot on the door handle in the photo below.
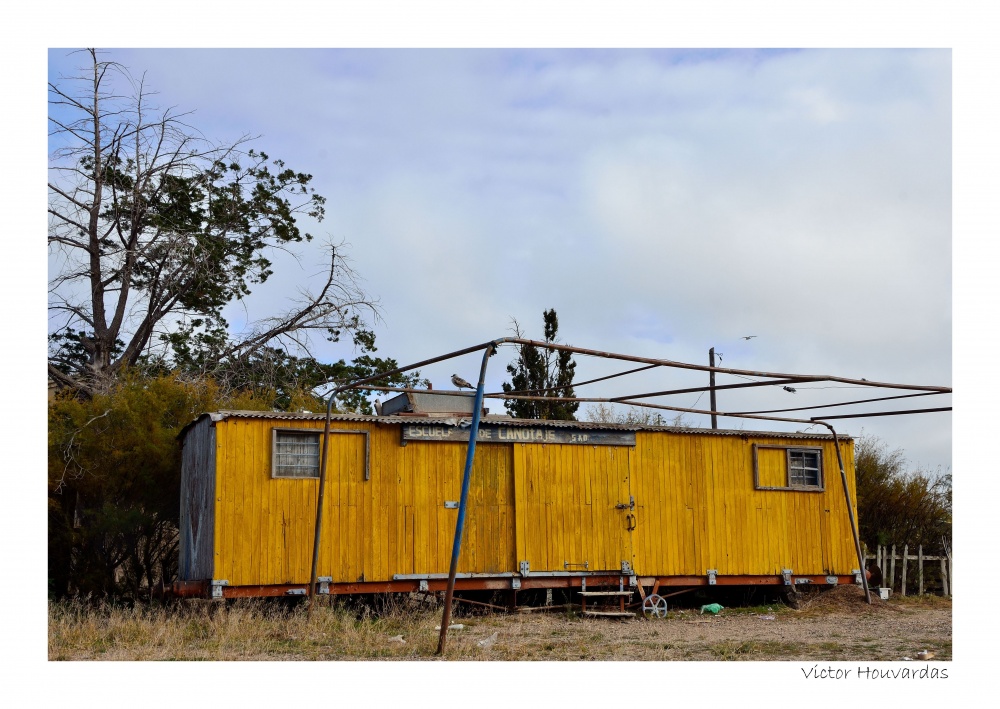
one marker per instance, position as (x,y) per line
(630,522)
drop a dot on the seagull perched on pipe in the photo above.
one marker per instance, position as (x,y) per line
(460,383)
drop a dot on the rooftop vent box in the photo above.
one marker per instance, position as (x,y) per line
(430,404)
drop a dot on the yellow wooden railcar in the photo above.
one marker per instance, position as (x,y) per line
(552,504)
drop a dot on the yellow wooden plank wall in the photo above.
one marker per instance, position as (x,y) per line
(772,467)
(696,508)
(394,523)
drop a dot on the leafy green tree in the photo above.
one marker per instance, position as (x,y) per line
(539,371)
(114,480)
(285,376)
(896,506)
(155,229)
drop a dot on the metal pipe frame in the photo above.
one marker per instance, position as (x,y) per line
(456,549)
(491,348)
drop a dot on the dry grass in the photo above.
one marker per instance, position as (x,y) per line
(832,627)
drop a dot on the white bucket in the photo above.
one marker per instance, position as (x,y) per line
(884,593)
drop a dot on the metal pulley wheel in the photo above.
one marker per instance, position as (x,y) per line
(655,606)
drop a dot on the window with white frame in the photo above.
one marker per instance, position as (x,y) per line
(294,454)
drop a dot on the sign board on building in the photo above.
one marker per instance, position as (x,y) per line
(498,433)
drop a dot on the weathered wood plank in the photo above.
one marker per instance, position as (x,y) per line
(906,548)
(920,569)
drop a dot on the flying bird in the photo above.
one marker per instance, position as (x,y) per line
(748,337)
(460,383)
(789,389)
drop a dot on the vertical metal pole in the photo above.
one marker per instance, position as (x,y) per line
(711,385)
(850,513)
(319,506)
(466,479)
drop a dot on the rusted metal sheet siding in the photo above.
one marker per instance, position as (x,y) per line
(698,510)
(393,523)
(197,503)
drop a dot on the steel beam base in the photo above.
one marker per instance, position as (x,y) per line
(202,589)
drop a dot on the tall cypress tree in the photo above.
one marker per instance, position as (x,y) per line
(542,372)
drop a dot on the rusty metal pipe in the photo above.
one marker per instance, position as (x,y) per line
(850,514)
(480,603)
(711,387)
(647,360)
(721,370)
(319,510)
(883,413)
(580,384)
(692,390)
(524,392)
(846,403)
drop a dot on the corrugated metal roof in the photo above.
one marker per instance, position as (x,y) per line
(504,420)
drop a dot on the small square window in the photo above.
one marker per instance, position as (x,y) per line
(804,468)
(295,454)
(777,467)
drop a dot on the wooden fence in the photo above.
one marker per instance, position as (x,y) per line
(886,557)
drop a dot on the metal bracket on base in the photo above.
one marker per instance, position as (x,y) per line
(857,575)
(633,581)
(423,585)
(216,585)
(525,568)
(626,567)
(786,576)
(324,585)
(515,584)
(832,580)
(712,573)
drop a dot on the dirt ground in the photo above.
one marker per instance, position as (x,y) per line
(832,625)
(835,625)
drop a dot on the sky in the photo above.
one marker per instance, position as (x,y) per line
(661,201)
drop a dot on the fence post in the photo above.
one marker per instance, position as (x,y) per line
(951,567)
(878,557)
(892,568)
(902,590)
(920,569)
(944,577)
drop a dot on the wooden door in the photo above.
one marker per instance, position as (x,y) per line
(573,507)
